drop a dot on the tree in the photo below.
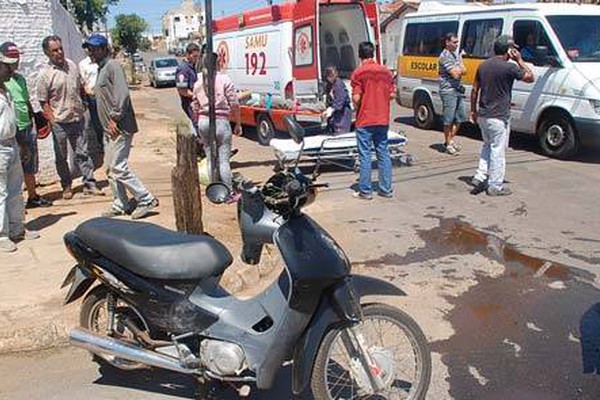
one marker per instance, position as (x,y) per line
(128,30)
(88,12)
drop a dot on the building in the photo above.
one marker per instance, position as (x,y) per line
(183,23)
(391,17)
(27,23)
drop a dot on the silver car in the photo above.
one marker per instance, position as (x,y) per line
(162,71)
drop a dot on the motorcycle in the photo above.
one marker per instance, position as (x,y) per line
(159,304)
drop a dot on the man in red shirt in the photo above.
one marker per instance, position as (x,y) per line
(372,90)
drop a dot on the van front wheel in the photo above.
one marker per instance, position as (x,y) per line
(557,136)
(424,113)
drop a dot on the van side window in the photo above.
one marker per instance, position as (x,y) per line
(303,46)
(478,37)
(530,36)
(425,39)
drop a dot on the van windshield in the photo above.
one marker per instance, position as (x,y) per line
(579,36)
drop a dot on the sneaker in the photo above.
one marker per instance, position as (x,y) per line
(7,246)
(92,191)
(67,193)
(476,182)
(386,195)
(503,191)
(26,235)
(457,146)
(142,210)
(112,212)
(450,149)
(37,201)
(363,196)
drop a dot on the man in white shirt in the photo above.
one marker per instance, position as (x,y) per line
(12,228)
(93,129)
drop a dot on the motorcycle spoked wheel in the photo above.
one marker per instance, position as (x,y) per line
(394,341)
(94,317)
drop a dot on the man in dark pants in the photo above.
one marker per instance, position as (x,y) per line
(490,108)
(372,91)
(59,93)
(186,77)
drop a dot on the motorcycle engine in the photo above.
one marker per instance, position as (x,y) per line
(222,358)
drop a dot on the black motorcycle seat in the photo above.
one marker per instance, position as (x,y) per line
(154,252)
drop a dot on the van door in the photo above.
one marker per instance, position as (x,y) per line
(372,11)
(528,98)
(305,48)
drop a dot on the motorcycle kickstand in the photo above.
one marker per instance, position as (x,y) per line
(207,389)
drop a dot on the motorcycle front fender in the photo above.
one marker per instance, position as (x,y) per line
(80,278)
(331,315)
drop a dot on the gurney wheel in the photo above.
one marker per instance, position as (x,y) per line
(265,131)
(410,160)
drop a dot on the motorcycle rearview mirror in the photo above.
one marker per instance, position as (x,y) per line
(218,192)
(294,129)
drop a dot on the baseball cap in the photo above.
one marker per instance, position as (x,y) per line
(95,40)
(503,43)
(9,53)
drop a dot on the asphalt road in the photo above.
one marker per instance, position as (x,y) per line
(504,289)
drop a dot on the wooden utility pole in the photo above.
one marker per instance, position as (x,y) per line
(185,184)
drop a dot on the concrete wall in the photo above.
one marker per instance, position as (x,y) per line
(27,22)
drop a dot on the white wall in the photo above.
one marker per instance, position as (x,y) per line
(26,23)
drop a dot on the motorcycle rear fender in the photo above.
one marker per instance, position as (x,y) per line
(80,278)
(331,315)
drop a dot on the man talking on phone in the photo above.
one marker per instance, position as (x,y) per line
(490,109)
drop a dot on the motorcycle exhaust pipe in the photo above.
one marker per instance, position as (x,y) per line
(102,346)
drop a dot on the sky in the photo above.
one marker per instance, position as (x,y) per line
(153,10)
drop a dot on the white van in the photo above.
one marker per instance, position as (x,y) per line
(561,41)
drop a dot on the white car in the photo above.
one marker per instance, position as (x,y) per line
(162,71)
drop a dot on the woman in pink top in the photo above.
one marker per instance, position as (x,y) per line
(226,105)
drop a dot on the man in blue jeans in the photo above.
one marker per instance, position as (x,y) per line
(372,90)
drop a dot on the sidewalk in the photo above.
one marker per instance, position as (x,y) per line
(31,313)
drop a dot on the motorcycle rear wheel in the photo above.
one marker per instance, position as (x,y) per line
(93,316)
(394,341)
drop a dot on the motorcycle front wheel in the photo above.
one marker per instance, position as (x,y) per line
(94,316)
(396,344)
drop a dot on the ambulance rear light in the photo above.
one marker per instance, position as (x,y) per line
(289,91)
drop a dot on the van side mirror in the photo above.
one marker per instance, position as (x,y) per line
(542,58)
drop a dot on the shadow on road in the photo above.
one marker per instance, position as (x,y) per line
(47,220)
(184,386)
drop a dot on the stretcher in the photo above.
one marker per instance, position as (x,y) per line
(340,150)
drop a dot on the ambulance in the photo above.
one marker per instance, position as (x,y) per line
(561,43)
(279,54)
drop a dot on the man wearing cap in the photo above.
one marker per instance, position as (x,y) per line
(117,117)
(93,129)
(26,135)
(12,228)
(59,92)
(490,108)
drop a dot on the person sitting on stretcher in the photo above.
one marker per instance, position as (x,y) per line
(339,111)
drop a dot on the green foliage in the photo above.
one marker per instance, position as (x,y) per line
(128,30)
(145,44)
(88,12)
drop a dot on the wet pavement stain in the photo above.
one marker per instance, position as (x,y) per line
(517,336)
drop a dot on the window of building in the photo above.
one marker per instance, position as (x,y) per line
(303,44)
(176,19)
(478,37)
(425,39)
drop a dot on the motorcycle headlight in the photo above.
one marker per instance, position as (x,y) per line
(596,105)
